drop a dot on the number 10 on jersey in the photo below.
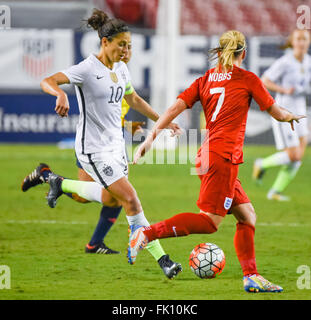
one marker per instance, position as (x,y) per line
(116,95)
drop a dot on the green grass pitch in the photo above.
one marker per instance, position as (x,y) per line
(44,247)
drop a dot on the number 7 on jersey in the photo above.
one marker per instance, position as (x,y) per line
(220,100)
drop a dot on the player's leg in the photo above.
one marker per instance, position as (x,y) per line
(41,175)
(244,243)
(288,172)
(126,194)
(244,238)
(283,138)
(109,174)
(108,215)
(179,225)
(215,198)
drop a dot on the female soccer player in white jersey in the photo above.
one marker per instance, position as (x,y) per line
(101,81)
(289,76)
(108,214)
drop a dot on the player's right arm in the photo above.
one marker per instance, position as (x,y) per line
(51,85)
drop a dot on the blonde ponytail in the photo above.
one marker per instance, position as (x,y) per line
(231,45)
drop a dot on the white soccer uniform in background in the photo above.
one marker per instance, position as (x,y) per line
(99,143)
(288,72)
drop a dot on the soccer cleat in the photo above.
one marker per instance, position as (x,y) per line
(34,178)
(256,283)
(137,241)
(55,191)
(100,249)
(258,171)
(170,268)
(278,196)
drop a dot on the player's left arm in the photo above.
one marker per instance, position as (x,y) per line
(139,104)
(283,115)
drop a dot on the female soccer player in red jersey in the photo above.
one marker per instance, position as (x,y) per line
(225,93)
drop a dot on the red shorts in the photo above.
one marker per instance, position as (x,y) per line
(220,188)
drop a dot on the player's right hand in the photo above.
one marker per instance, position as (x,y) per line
(142,149)
(62,105)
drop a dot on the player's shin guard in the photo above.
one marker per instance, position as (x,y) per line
(180,225)
(244,243)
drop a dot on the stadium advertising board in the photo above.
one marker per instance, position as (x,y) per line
(31,118)
(27,56)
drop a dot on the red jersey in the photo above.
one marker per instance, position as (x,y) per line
(226,98)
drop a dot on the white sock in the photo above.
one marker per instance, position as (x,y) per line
(138,219)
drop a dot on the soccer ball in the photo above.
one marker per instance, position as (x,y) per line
(207,260)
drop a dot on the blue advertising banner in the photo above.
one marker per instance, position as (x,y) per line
(31,118)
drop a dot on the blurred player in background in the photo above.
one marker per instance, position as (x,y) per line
(225,93)
(290,77)
(108,215)
(101,81)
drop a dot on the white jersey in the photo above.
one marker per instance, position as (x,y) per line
(288,72)
(99,91)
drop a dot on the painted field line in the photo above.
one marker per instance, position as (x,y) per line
(260,224)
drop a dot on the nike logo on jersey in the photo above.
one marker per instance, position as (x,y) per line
(98,77)
(174,230)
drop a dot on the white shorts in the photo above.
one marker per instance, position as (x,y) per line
(285,137)
(105,167)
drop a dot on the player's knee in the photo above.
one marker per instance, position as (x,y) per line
(249,218)
(131,202)
(295,156)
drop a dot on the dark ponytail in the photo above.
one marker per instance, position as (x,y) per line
(105,26)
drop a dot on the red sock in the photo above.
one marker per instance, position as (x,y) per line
(181,225)
(245,248)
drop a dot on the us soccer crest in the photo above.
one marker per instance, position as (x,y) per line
(37,56)
(108,171)
(114,77)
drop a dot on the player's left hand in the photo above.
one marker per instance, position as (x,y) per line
(294,119)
